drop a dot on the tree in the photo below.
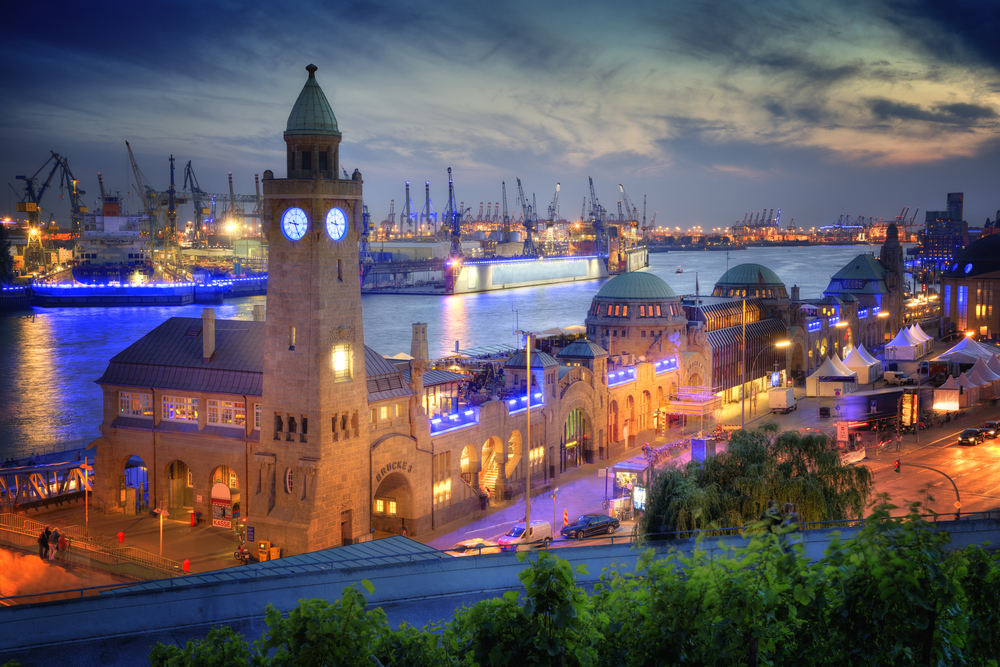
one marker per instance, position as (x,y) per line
(732,488)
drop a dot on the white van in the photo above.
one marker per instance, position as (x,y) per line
(541,532)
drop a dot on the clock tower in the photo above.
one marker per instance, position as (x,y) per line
(309,473)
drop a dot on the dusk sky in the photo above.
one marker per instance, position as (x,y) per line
(709,109)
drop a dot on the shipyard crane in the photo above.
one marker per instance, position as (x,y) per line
(631,212)
(31,199)
(505,234)
(198,196)
(453,219)
(149,199)
(550,220)
(365,258)
(528,222)
(409,213)
(428,215)
(595,205)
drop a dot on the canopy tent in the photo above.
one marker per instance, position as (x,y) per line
(970,391)
(985,386)
(835,358)
(867,356)
(828,380)
(868,371)
(983,370)
(903,347)
(967,349)
(948,396)
(918,334)
(994,365)
(400,356)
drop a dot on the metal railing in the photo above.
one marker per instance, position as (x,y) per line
(98,551)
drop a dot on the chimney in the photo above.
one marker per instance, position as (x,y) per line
(795,292)
(418,344)
(207,334)
(259,312)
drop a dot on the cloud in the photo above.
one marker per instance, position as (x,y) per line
(950,114)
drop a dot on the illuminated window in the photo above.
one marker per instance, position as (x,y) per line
(657,311)
(947,301)
(963,305)
(392,508)
(625,311)
(617,310)
(371,416)
(399,409)
(379,506)
(384,410)
(642,311)
(135,404)
(227,413)
(341,363)
(180,408)
(291,338)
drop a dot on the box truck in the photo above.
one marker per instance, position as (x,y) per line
(782,400)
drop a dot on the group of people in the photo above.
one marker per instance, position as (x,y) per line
(52,543)
(782,520)
(14,463)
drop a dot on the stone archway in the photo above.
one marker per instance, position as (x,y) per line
(392,506)
(514,468)
(493,458)
(180,489)
(134,486)
(470,466)
(645,411)
(226,507)
(631,426)
(577,440)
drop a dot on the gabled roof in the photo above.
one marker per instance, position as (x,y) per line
(582,349)
(862,275)
(384,380)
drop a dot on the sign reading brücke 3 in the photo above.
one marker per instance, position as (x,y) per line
(402,466)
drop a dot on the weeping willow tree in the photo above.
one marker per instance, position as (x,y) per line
(732,488)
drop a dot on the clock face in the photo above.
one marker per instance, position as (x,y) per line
(336,224)
(294,224)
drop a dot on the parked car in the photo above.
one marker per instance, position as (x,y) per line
(591,524)
(540,531)
(990,429)
(898,378)
(970,436)
(474,547)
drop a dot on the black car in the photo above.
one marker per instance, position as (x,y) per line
(970,436)
(990,429)
(591,524)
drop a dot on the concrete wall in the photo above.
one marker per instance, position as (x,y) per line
(243,593)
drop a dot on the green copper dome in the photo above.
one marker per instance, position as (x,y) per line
(750,274)
(312,113)
(636,287)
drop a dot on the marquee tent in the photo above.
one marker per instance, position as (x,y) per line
(919,334)
(835,358)
(970,390)
(828,380)
(948,396)
(868,371)
(985,386)
(966,351)
(983,370)
(904,347)
(994,365)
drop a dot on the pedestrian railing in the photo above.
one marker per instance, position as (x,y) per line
(96,551)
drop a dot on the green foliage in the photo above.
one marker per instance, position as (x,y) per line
(890,595)
(732,488)
(222,647)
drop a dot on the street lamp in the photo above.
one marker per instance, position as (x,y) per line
(743,393)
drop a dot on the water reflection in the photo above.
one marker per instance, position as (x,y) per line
(51,362)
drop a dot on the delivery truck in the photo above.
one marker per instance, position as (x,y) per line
(782,400)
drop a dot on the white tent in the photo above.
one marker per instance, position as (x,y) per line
(983,370)
(869,358)
(994,365)
(867,371)
(970,391)
(828,380)
(948,396)
(966,351)
(835,358)
(985,386)
(903,347)
(919,334)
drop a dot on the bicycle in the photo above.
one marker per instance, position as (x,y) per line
(607,503)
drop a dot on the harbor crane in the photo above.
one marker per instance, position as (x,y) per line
(631,212)
(595,206)
(505,234)
(409,214)
(161,210)
(528,222)
(550,220)
(365,258)
(428,215)
(31,198)
(453,219)
(199,197)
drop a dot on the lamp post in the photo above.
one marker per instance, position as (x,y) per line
(779,344)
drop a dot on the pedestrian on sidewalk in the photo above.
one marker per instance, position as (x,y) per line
(43,543)
(63,546)
(53,543)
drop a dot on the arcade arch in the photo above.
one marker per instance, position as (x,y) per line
(393,504)
(514,468)
(613,434)
(645,411)
(225,497)
(493,456)
(470,466)
(577,441)
(630,423)
(134,486)
(180,488)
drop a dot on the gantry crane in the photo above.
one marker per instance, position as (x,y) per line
(550,220)
(595,206)
(505,234)
(31,199)
(199,197)
(529,223)
(453,220)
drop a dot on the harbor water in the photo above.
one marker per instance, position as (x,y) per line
(52,356)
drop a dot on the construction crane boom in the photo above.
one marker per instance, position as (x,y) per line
(505,236)
(528,223)
(599,248)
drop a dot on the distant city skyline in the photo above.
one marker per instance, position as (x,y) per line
(708,110)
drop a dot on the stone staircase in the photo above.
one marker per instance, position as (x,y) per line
(488,477)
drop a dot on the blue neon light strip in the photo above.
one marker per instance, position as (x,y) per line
(523,402)
(621,377)
(529,259)
(666,365)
